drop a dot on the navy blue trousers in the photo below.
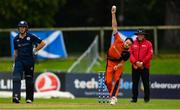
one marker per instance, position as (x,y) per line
(27,70)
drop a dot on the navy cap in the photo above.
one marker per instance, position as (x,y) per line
(22,24)
(140,31)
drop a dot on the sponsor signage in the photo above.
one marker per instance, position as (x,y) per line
(82,85)
(49,81)
(87,85)
(6,83)
(46,81)
(165,86)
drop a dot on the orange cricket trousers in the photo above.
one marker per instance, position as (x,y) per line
(112,77)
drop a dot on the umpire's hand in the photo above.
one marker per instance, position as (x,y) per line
(139,64)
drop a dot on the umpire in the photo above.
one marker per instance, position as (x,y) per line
(141,53)
(24,52)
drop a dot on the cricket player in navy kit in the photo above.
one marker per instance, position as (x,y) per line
(24,52)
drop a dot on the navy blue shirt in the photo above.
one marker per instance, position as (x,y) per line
(25,46)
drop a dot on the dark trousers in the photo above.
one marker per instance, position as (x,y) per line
(144,74)
(21,69)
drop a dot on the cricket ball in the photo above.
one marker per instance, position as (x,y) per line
(114,7)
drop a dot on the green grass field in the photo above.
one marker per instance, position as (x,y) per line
(40,66)
(158,65)
(87,104)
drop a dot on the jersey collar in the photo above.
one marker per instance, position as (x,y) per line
(24,36)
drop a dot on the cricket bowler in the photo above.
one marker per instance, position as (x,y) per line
(117,54)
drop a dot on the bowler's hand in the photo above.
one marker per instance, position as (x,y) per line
(113,9)
(117,66)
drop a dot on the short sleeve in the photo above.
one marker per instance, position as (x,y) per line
(117,37)
(36,39)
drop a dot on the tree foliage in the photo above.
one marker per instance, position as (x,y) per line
(98,12)
(84,13)
(171,38)
(65,13)
(38,12)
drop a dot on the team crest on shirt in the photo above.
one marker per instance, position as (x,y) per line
(28,38)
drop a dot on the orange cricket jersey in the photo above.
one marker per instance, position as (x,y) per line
(118,43)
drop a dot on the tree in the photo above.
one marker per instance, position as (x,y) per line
(172,37)
(84,13)
(144,12)
(38,13)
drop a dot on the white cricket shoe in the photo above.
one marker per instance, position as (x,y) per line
(28,101)
(113,100)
